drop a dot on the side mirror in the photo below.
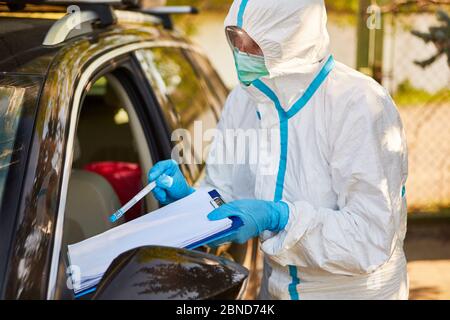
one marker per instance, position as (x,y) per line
(162,273)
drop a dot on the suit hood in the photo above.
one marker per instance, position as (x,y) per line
(291,33)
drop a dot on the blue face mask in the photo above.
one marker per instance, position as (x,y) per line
(249,67)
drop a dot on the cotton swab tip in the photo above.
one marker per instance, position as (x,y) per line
(166,180)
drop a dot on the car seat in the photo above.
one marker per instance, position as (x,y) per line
(126,180)
(90,202)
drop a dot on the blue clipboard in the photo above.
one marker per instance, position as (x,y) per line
(237,223)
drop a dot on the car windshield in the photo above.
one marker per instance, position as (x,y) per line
(15,94)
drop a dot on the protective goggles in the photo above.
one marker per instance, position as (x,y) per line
(240,40)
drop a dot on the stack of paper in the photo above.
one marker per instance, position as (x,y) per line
(182,224)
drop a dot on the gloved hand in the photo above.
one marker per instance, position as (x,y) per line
(170,182)
(256,215)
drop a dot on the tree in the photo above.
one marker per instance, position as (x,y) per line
(439,36)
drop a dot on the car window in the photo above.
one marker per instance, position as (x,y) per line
(18,103)
(186,101)
(17,97)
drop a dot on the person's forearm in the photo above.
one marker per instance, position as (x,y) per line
(347,235)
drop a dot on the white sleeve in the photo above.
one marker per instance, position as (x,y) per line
(368,168)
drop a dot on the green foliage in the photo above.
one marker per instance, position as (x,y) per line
(348,6)
(409,96)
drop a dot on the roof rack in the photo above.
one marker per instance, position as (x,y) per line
(165,13)
(76,21)
(61,29)
(136,17)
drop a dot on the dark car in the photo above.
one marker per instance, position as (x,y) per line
(80,102)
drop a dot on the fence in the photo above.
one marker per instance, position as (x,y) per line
(419,80)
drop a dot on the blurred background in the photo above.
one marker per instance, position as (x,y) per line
(405,45)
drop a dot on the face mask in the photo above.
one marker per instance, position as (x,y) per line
(249,67)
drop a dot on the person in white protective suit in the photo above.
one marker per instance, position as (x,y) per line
(332,215)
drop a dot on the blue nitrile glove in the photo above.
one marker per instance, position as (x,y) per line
(170,182)
(256,215)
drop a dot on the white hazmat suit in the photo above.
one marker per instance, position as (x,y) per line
(340,155)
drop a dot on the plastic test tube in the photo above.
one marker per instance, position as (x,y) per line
(119,213)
